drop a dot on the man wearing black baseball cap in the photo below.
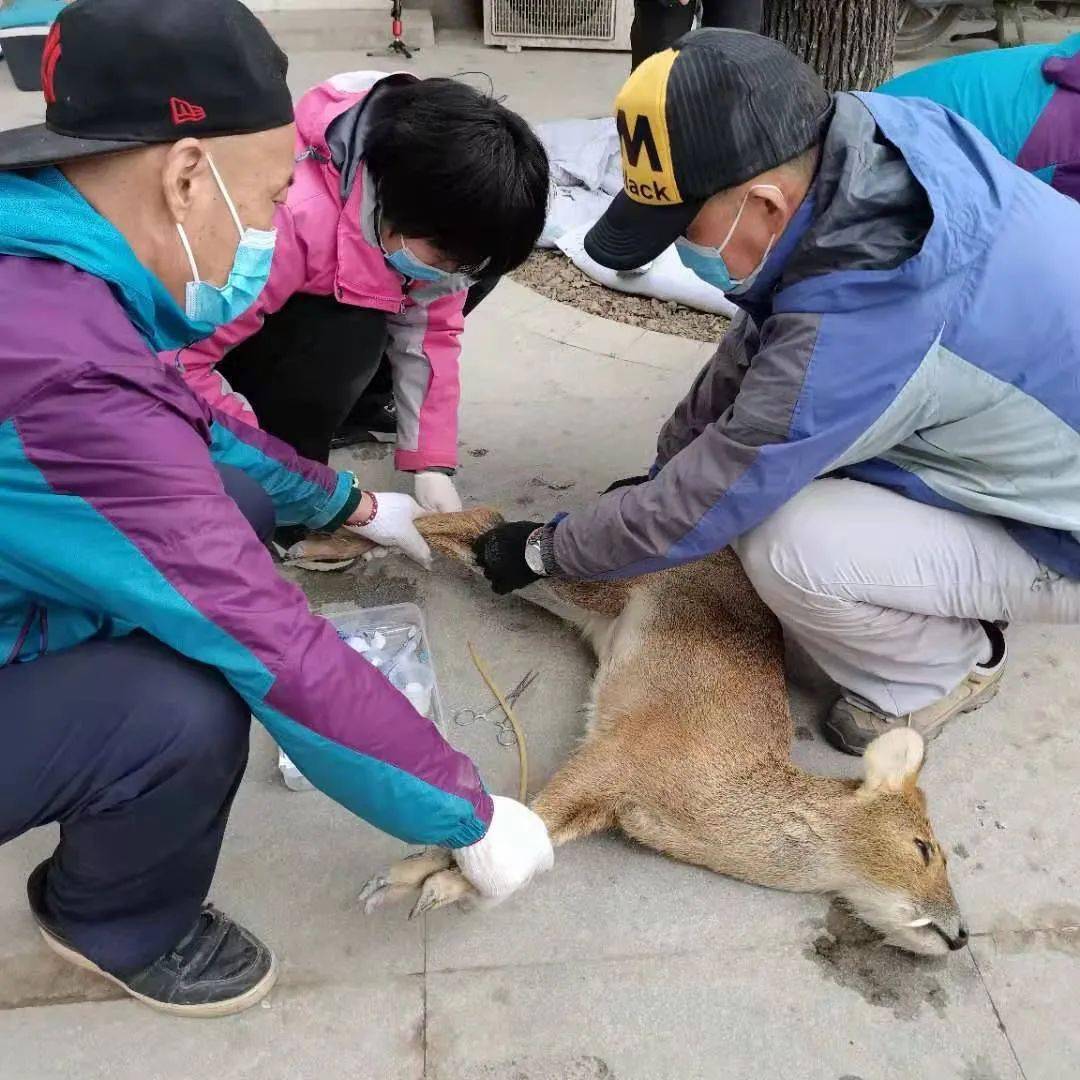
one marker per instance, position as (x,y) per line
(142,621)
(886,435)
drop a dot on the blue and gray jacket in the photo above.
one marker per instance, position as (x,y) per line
(917,327)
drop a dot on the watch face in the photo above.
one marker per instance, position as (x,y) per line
(533,559)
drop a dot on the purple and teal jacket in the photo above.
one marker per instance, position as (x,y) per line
(1026,101)
(113,519)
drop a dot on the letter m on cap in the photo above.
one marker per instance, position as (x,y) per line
(641,138)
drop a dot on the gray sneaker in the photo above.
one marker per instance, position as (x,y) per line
(852,724)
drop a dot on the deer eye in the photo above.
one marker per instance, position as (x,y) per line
(924,850)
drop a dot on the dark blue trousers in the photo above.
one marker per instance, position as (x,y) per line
(137,752)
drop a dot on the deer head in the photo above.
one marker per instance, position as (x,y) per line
(893,868)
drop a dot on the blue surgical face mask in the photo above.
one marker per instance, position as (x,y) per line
(405,262)
(708,262)
(209,306)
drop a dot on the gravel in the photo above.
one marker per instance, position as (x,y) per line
(553,275)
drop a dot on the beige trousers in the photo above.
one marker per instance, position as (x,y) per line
(885,593)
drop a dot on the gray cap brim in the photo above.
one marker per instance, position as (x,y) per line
(35,146)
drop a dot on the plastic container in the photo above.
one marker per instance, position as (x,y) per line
(294,779)
(403,652)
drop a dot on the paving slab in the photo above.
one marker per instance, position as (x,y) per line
(291,868)
(1033,978)
(780,1013)
(1002,789)
(303,1031)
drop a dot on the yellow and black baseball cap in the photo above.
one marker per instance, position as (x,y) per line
(716,109)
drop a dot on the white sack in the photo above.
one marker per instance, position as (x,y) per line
(666,278)
(583,153)
(570,208)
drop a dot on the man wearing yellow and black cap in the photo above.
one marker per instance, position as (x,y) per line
(681,145)
(889,435)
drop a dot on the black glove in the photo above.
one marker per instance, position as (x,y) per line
(501,555)
(630,481)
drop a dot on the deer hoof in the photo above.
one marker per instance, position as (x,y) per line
(403,878)
(442,889)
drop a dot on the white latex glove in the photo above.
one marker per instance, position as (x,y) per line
(436,493)
(515,847)
(392,526)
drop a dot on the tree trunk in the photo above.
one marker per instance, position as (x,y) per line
(849,43)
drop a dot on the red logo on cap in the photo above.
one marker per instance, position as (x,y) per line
(50,57)
(183,112)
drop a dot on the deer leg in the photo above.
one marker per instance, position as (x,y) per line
(432,871)
(580,798)
(577,801)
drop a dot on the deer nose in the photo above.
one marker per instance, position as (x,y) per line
(960,940)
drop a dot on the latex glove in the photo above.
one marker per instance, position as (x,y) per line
(392,526)
(514,849)
(435,491)
(501,555)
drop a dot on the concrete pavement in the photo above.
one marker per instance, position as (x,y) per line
(619,963)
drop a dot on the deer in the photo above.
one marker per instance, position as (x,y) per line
(687,750)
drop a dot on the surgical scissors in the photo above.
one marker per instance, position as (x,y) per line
(466,716)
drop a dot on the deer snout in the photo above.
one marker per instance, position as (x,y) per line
(956,940)
(951,928)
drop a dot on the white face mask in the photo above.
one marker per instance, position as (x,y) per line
(708,262)
(209,306)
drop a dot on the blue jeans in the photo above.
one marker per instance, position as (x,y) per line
(137,752)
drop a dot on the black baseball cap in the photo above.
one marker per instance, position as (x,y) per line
(716,109)
(119,74)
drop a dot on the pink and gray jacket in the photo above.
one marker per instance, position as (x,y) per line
(328,246)
(113,519)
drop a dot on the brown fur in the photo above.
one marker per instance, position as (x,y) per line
(688,752)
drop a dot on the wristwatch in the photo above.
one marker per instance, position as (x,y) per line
(534,557)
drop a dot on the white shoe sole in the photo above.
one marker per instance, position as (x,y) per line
(213,1008)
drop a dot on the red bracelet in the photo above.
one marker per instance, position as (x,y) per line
(374,511)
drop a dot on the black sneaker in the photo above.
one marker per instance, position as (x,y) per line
(218,968)
(373,419)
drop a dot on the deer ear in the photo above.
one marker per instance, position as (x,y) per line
(893,760)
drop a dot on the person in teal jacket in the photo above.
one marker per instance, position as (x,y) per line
(1026,101)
